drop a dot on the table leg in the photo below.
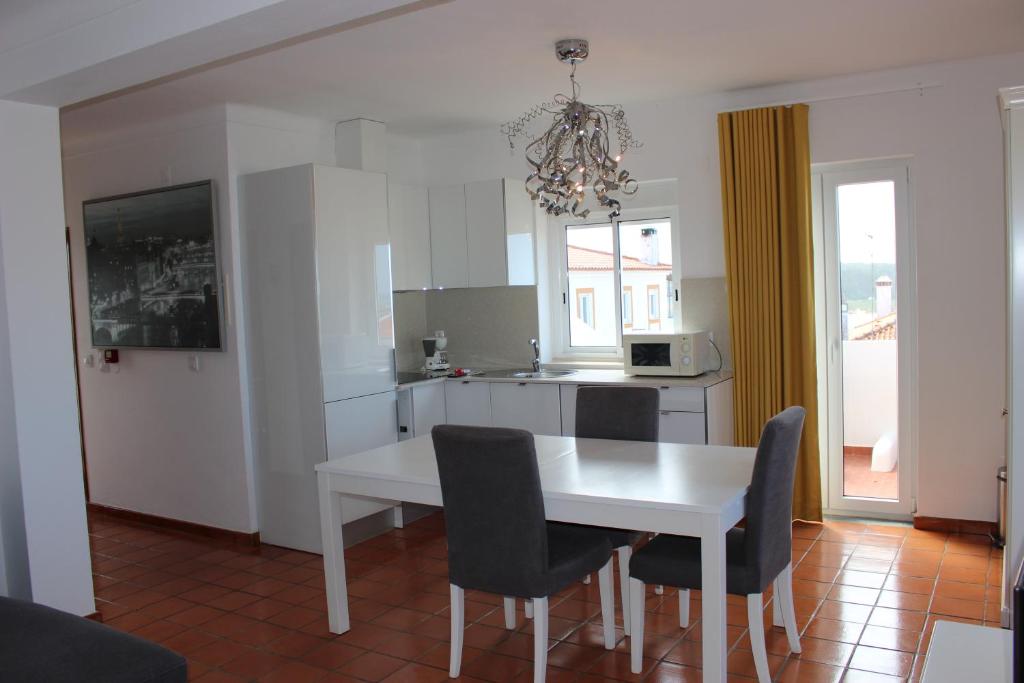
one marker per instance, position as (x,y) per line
(712,553)
(334,555)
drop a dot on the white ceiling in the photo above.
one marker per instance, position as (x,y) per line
(480,62)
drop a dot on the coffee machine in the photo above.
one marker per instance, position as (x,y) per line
(434,350)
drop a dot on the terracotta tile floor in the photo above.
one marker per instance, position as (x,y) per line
(866,599)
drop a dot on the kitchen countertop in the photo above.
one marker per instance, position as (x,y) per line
(611,377)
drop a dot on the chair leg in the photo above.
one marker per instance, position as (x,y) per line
(528,608)
(586,579)
(540,639)
(625,552)
(636,621)
(755,619)
(606,583)
(510,613)
(458,622)
(777,604)
(659,590)
(684,608)
(785,585)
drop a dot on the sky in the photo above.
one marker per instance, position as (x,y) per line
(867,222)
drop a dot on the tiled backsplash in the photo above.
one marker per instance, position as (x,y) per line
(485,326)
(492,326)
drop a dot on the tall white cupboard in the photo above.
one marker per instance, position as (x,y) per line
(320,335)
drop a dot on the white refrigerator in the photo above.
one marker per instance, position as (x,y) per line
(320,335)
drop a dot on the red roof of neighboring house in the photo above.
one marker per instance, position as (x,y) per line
(582,258)
(879,329)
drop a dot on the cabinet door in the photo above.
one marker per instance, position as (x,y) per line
(485,237)
(353,280)
(359,424)
(567,394)
(681,427)
(526,405)
(467,403)
(519,234)
(428,407)
(448,249)
(409,219)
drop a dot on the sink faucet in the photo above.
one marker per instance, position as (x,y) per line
(536,354)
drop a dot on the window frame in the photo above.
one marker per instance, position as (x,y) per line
(563,351)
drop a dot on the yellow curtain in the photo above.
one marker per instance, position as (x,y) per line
(766,210)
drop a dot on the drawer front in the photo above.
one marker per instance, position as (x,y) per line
(467,403)
(677,427)
(524,405)
(687,399)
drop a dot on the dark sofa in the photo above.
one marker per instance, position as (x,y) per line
(39,643)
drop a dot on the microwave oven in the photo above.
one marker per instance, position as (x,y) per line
(683,354)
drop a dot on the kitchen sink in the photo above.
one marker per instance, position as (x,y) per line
(528,374)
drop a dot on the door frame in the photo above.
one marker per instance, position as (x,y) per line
(829,351)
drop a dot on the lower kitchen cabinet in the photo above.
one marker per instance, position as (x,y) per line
(468,403)
(679,427)
(420,407)
(531,406)
(355,425)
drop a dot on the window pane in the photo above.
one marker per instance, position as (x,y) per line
(590,257)
(645,249)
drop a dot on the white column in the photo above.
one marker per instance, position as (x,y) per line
(38,405)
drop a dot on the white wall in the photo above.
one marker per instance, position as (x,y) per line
(951,130)
(159,438)
(870,391)
(38,412)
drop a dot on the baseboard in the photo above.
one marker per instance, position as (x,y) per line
(858,450)
(181,526)
(95,616)
(954,526)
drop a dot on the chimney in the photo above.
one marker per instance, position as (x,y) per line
(651,255)
(361,144)
(883,296)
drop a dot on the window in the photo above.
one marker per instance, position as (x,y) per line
(585,306)
(627,307)
(603,265)
(653,307)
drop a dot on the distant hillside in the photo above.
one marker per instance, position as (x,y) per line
(858,279)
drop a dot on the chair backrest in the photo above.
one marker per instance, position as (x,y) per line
(626,413)
(769,528)
(493,509)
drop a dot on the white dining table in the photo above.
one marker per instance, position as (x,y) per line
(688,490)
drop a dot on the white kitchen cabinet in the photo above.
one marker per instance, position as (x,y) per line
(482,234)
(531,406)
(449,256)
(680,427)
(319,335)
(567,399)
(360,424)
(420,407)
(467,403)
(485,233)
(409,221)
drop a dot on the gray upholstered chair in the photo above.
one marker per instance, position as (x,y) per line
(627,414)
(756,556)
(498,538)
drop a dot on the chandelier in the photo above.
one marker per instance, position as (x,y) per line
(575,152)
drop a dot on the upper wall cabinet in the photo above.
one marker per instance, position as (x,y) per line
(409,220)
(448,249)
(481,235)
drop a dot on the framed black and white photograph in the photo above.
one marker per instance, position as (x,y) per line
(152,266)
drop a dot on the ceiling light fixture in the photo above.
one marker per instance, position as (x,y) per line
(575,151)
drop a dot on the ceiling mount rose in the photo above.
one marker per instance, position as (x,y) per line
(572,50)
